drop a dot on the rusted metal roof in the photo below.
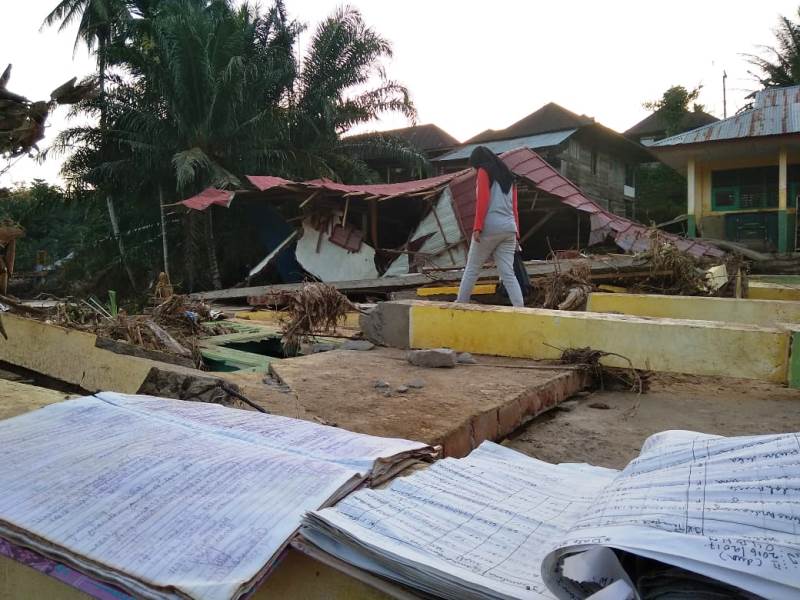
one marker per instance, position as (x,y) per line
(209,197)
(524,162)
(627,234)
(264,183)
(775,112)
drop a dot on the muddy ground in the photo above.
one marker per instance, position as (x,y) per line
(612,437)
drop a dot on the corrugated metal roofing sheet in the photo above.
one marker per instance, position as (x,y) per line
(775,112)
(381,191)
(777,96)
(542,140)
(628,234)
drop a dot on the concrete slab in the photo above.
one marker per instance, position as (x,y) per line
(74,357)
(769,313)
(768,290)
(457,408)
(668,345)
(19,398)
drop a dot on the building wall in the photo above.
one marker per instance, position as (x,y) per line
(604,182)
(712,223)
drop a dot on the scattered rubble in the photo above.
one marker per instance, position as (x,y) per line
(433,358)
(314,308)
(465,358)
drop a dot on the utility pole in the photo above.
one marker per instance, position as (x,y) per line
(724,95)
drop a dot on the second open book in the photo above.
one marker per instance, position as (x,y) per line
(498,524)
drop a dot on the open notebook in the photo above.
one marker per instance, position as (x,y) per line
(174,499)
(498,524)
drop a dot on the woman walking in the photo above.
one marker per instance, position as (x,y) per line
(496,229)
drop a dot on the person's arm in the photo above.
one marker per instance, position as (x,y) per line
(482,194)
(516,210)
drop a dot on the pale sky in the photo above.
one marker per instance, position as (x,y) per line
(475,65)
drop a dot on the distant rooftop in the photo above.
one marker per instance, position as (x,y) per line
(654,124)
(424,137)
(539,142)
(776,111)
(551,117)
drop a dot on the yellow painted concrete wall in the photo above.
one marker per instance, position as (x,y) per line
(70,356)
(20,398)
(695,347)
(478,290)
(759,290)
(729,310)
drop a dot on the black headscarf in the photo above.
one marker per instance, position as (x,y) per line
(483,158)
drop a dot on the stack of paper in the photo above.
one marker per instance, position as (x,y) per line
(166,498)
(497,524)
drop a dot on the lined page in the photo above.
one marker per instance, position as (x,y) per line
(184,511)
(331,444)
(482,524)
(728,508)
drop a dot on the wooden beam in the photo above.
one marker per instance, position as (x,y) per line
(611,264)
(541,223)
(373,215)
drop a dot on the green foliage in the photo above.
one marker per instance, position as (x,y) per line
(53,222)
(674,105)
(780,65)
(200,93)
(661,193)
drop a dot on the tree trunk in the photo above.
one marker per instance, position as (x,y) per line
(164,241)
(112,215)
(213,265)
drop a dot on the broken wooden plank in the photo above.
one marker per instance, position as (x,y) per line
(256,294)
(170,343)
(128,349)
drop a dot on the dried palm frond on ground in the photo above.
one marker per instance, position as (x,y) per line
(686,273)
(173,326)
(316,308)
(634,379)
(565,290)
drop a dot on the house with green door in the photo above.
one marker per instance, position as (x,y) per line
(743,173)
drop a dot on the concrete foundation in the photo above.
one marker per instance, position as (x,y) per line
(770,290)
(456,408)
(74,357)
(387,325)
(729,310)
(669,345)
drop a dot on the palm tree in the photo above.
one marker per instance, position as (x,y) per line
(98,20)
(329,99)
(781,66)
(212,93)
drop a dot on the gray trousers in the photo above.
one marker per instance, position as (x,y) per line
(502,247)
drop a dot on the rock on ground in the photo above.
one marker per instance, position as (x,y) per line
(465,358)
(433,358)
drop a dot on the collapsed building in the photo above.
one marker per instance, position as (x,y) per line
(338,232)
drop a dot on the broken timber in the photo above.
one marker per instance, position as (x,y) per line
(255,294)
